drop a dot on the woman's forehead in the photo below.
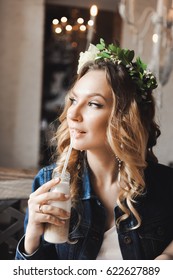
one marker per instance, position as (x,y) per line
(94,81)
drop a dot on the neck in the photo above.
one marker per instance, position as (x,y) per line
(103,166)
(103,175)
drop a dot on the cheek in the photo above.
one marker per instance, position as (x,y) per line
(68,115)
(100,124)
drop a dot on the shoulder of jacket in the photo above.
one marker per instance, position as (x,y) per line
(44,175)
(47,172)
(159,167)
(159,173)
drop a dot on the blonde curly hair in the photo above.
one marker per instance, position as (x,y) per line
(131,133)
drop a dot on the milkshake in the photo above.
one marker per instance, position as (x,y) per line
(54,233)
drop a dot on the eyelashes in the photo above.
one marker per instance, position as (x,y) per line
(94,104)
(90,104)
(72,100)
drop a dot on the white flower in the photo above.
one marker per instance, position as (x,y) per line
(86,56)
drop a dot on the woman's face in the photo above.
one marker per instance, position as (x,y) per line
(91,106)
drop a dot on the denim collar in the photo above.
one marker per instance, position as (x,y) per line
(87,190)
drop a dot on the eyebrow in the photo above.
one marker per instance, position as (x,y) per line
(91,95)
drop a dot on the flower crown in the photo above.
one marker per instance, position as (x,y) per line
(143,78)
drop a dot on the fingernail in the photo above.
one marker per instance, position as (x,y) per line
(57,179)
(67,196)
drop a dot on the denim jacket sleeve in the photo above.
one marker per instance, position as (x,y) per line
(43,176)
(46,251)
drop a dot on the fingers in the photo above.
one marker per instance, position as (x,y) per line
(51,214)
(36,204)
(40,205)
(55,211)
(46,187)
(40,214)
(47,198)
(42,195)
(47,218)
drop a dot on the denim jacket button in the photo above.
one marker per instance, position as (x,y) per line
(160,231)
(98,202)
(127,239)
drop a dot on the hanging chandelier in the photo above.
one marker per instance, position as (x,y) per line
(65,27)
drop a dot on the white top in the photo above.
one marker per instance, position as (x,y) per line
(110,249)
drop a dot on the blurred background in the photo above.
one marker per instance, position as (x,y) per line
(40,41)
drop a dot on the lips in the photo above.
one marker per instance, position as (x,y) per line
(77,131)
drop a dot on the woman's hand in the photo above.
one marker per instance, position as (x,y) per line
(167,253)
(41,211)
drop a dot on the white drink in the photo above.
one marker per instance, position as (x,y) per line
(59,234)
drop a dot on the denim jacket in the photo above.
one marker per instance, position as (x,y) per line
(146,242)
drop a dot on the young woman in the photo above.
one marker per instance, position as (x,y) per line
(121,197)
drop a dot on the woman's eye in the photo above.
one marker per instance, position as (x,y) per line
(73,101)
(94,104)
(91,103)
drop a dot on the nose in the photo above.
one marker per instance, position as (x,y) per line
(74,114)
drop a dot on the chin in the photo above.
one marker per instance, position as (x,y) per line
(78,148)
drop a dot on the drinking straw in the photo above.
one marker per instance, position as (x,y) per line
(67,156)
